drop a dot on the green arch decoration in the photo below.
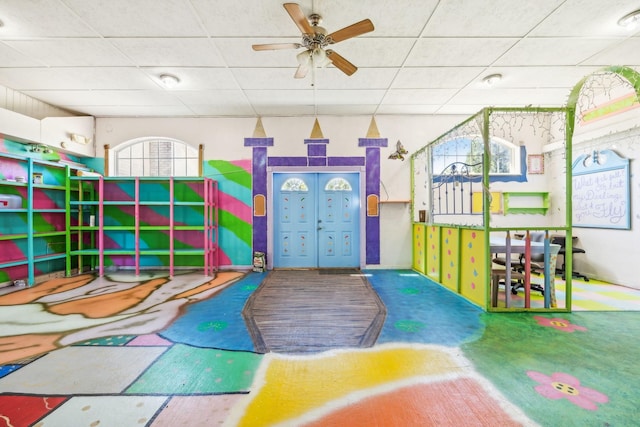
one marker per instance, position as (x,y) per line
(626,72)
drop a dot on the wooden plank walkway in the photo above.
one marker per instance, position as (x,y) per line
(303,311)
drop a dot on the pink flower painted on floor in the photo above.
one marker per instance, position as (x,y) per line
(564,386)
(559,324)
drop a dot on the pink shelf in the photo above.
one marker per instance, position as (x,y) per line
(139,203)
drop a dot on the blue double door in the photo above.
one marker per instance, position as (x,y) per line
(316,220)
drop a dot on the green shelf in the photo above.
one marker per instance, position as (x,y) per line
(525,202)
(49,197)
(167,198)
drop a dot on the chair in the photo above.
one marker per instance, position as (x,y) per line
(561,240)
(537,260)
(537,264)
(498,275)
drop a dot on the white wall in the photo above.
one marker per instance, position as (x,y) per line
(223,138)
(611,254)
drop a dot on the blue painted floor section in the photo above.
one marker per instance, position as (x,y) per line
(217,322)
(420,311)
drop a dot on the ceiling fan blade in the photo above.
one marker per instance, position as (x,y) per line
(353,30)
(342,64)
(298,17)
(301,72)
(276,46)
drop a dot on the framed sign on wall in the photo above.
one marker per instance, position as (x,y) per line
(600,186)
(535,164)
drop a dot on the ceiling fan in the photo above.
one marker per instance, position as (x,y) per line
(315,39)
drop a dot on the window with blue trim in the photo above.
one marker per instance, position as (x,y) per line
(507,160)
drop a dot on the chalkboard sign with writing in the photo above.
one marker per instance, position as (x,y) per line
(601,191)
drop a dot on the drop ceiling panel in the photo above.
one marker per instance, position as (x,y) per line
(275,78)
(418,96)
(133,111)
(436,77)
(189,52)
(347,110)
(541,77)
(424,56)
(553,51)
(294,98)
(223,110)
(628,49)
(213,97)
(550,97)
(432,52)
(41,19)
(343,97)
(9,57)
(390,19)
(467,109)
(139,18)
(193,78)
(72,52)
(407,109)
(284,110)
(378,52)
(481,19)
(238,52)
(588,18)
(247,18)
(105,97)
(75,78)
(364,78)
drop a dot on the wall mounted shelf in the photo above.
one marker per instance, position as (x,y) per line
(530,202)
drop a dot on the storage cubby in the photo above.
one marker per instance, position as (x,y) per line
(33,211)
(146,222)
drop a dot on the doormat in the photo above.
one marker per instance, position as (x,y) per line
(340,271)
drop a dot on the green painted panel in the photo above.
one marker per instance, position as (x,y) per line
(232,172)
(198,370)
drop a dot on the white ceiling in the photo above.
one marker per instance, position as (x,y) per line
(103,57)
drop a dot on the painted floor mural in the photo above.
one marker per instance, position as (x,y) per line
(159,351)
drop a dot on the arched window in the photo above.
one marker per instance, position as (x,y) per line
(338,184)
(506,158)
(294,184)
(155,157)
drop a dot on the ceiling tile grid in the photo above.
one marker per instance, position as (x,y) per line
(105,57)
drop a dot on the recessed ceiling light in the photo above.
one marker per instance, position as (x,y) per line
(630,20)
(492,79)
(169,80)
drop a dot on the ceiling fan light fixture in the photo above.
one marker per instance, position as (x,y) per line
(630,20)
(320,58)
(169,80)
(304,58)
(492,79)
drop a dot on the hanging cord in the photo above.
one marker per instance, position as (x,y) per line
(385,190)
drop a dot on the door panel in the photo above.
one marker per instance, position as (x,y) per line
(316,221)
(338,220)
(295,220)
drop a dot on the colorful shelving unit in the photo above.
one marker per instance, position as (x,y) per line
(33,228)
(144,222)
